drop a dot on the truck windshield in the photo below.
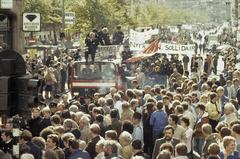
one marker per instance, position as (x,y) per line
(96,71)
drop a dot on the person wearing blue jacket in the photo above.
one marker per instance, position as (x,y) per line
(75,151)
(158,121)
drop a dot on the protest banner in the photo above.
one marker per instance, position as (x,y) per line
(169,48)
(137,40)
(110,51)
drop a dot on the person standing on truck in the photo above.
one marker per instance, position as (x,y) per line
(118,36)
(92,43)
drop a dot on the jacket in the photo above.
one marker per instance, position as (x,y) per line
(34,126)
(35,150)
(7,147)
(198,126)
(158,120)
(79,154)
(91,146)
(214,111)
(210,139)
(4,156)
(179,133)
(91,45)
(161,141)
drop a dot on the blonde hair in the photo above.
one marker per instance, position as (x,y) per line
(85,120)
(69,124)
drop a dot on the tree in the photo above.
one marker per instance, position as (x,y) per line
(50,11)
(151,14)
(97,13)
(42,7)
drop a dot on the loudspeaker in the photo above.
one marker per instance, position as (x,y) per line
(6,101)
(8,67)
(6,84)
(22,85)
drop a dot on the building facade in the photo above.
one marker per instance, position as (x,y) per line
(11,34)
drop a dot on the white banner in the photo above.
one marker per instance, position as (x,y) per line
(176,48)
(109,51)
(137,39)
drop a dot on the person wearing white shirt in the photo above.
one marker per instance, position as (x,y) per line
(118,103)
(185,122)
(188,114)
(138,129)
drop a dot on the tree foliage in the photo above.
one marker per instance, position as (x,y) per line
(49,9)
(151,14)
(97,13)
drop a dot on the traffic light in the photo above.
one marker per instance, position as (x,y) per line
(27,93)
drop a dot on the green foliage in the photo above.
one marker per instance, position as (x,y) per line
(155,15)
(38,6)
(97,13)
(49,9)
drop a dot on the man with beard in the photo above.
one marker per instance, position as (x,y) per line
(168,138)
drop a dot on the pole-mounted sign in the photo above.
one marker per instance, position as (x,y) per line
(69,18)
(31,22)
(6,4)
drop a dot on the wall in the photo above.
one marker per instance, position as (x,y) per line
(15,15)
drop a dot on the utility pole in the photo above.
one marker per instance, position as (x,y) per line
(62,35)
(63,15)
(131,11)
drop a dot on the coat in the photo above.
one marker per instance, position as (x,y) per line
(209,140)
(161,141)
(35,150)
(214,111)
(91,146)
(91,45)
(79,154)
(198,126)
(7,147)
(4,156)
(116,125)
(34,126)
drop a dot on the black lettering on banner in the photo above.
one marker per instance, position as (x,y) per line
(183,48)
(167,47)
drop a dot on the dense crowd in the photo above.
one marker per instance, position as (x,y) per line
(174,108)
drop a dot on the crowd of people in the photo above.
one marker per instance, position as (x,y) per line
(183,113)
